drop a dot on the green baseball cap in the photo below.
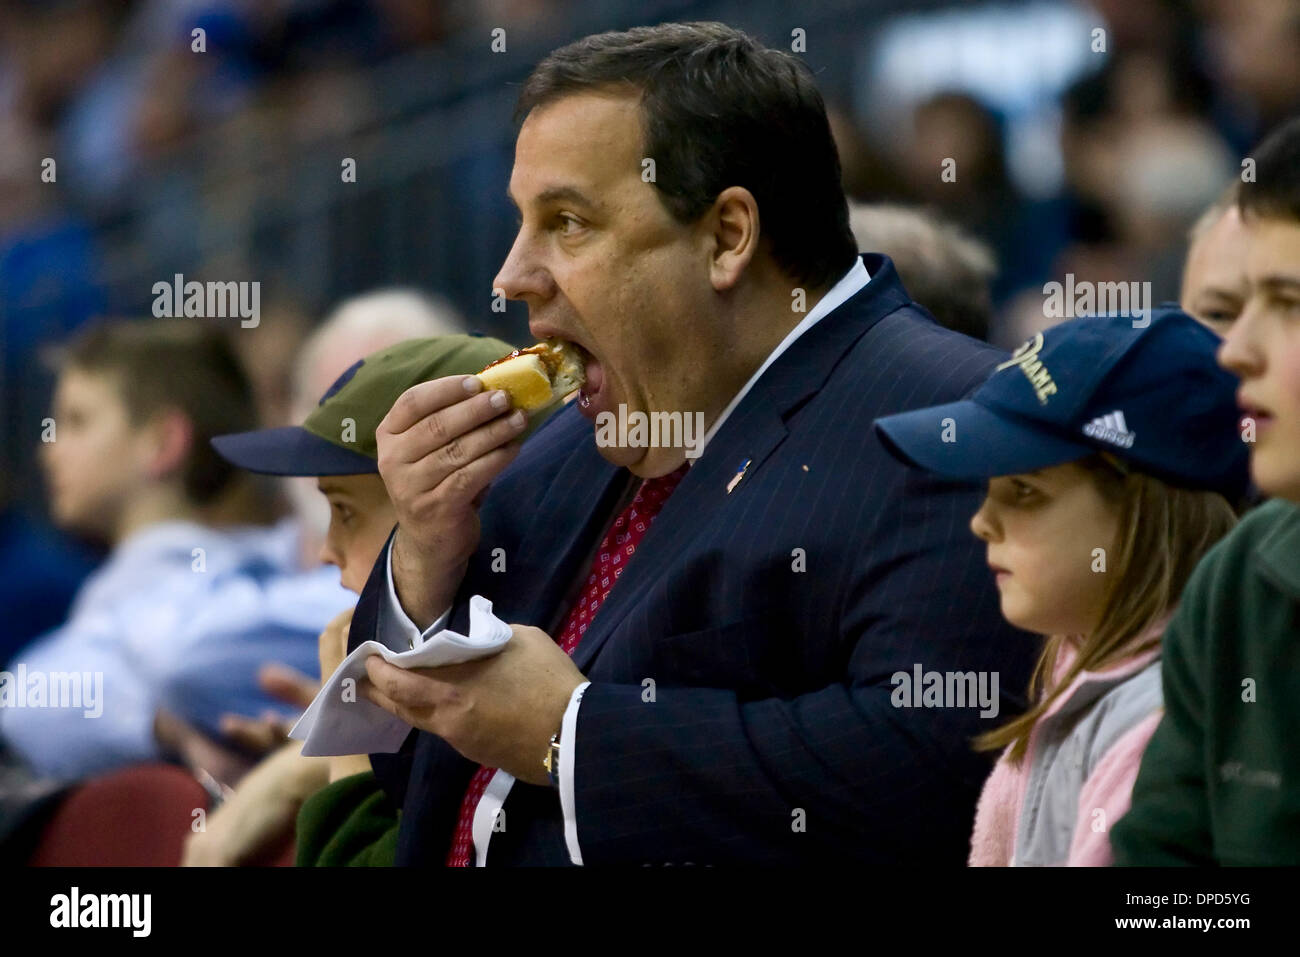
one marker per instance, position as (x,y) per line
(338,437)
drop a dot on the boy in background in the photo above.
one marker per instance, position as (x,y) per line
(1220,780)
(335,445)
(130,465)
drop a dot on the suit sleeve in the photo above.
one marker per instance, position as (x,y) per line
(700,776)
(1169,820)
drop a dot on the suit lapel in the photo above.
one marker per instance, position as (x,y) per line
(699,497)
(755,429)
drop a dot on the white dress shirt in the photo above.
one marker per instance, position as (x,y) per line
(180,616)
(392,616)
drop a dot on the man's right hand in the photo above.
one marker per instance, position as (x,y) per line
(440,445)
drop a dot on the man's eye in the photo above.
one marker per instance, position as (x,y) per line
(567,224)
(343,512)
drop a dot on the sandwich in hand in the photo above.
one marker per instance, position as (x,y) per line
(537,376)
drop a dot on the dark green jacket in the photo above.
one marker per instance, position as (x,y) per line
(1220,780)
(348,823)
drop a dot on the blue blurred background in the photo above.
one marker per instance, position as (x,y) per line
(1077,151)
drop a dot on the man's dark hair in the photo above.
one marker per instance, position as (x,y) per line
(718,110)
(160,364)
(1275,191)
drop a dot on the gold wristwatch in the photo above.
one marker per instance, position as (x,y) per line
(552,760)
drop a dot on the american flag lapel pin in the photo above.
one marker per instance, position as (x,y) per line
(740,474)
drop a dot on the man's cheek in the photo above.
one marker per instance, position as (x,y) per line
(1289,366)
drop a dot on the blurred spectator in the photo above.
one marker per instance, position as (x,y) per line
(357,327)
(130,464)
(40,572)
(954,160)
(265,805)
(1217,783)
(48,287)
(942,267)
(269,353)
(1252,49)
(361,325)
(868,175)
(1214,276)
(1141,162)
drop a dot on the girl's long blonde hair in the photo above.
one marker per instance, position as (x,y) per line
(1164,531)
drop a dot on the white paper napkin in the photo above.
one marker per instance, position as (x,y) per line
(335,723)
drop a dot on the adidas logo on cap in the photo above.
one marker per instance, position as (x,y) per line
(1110,428)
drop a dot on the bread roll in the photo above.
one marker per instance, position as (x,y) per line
(537,376)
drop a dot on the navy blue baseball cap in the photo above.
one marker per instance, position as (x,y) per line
(1149,393)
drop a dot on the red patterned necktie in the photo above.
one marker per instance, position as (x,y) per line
(615,549)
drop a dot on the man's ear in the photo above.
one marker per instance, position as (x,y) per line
(733,222)
(170,439)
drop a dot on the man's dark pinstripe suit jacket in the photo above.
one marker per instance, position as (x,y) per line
(772,737)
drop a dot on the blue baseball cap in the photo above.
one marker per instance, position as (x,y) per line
(1150,394)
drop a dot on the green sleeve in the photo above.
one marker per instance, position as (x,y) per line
(1169,821)
(348,823)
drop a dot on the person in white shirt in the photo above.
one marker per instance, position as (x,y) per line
(128,462)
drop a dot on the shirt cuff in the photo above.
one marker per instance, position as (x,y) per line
(487,814)
(568,748)
(396,630)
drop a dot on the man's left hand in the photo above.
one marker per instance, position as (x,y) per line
(499,711)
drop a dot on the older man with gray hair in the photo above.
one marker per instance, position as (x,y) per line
(944,269)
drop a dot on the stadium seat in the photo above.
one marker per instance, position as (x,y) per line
(138,817)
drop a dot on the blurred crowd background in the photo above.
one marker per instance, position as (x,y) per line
(1086,138)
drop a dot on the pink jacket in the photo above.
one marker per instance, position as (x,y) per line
(1002,818)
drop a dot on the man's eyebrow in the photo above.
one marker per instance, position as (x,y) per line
(1277,283)
(1221,292)
(558,194)
(327,488)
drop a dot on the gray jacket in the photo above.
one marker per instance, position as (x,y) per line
(1066,747)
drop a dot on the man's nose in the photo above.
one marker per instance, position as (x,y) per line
(1239,352)
(522,274)
(329,555)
